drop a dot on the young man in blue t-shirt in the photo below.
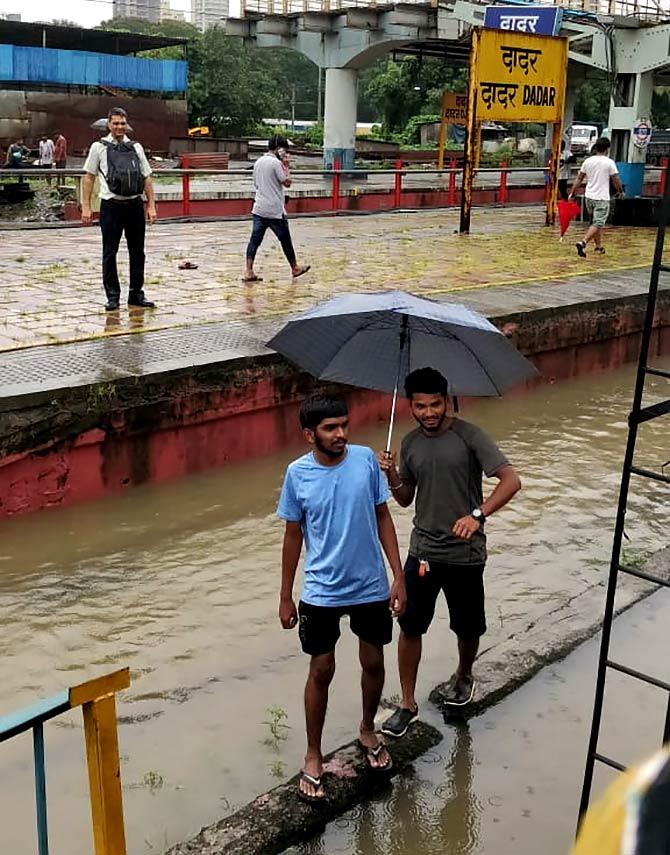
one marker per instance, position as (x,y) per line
(334,498)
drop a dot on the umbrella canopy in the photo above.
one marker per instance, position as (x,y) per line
(374,340)
(567,211)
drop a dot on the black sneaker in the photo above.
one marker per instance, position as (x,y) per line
(398,724)
(460,691)
(581,249)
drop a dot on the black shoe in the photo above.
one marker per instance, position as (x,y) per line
(581,249)
(141,301)
(460,691)
(111,305)
(398,724)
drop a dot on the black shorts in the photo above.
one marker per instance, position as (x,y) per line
(463,586)
(319,626)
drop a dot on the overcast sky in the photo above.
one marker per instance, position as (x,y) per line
(88,13)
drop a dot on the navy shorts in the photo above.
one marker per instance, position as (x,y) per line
(463,588)
(319,626)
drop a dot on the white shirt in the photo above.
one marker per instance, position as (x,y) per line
(598,170)
(46,152)
(269,175)
(96,164)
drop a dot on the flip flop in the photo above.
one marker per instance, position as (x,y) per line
(253,278)
(188,265)
(374,753)
(302,271)
(316,783)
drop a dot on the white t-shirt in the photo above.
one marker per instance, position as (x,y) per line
(269,173)
(598,170)
(46,152)
(96,164)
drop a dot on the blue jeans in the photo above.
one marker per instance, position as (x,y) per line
(279,228)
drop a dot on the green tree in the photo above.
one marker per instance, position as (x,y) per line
(399,90)
(593,102)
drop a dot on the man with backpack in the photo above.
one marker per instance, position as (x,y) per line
(125,178)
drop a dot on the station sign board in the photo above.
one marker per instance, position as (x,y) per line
(455,108)
(642,133)
(517,77)
(534,20)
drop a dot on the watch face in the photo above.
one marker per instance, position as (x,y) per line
(477,513)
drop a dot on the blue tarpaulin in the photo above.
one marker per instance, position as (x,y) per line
(83,68)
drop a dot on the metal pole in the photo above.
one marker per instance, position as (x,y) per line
(552,183)
(404,336)
(503,182)
(40,790)
(319,95)
(397,188)
(623,501)
(185,189)
(470,135)
(442,139)
(336,184)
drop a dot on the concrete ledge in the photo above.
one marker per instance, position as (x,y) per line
(278,819)
(502,669)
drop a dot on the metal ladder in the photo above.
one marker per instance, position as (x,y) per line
(638,416)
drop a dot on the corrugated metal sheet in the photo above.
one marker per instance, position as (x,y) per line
(46,65)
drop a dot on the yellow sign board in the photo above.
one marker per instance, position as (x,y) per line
(519,77)
(455,108)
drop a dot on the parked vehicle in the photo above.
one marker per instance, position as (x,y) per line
(582,138)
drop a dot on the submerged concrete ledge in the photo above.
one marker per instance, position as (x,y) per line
(278,819)
(503,668)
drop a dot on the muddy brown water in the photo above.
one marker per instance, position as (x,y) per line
(180,582)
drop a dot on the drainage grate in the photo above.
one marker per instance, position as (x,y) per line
(42,369)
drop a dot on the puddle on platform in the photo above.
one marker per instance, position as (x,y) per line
(180,581)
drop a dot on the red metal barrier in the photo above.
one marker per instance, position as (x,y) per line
(185,188)
(336,184)
(452,182)
(664,176)
(397,187)
(503,182)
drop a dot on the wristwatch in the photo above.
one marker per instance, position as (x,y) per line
(478,514)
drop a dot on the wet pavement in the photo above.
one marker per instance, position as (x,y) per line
(179,581)
(52,292)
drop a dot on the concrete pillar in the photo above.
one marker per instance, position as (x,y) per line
(339,121)
(634,103)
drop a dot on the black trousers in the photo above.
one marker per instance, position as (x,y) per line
(117,218)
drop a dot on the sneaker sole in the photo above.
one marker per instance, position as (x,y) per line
(398,734)
(463,703)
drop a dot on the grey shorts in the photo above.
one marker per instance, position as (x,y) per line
(599,210)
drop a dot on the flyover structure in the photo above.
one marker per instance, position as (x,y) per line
(625,41)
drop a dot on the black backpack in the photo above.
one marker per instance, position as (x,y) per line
(124,174)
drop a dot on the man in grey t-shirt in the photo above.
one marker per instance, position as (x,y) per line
(442,462)
(271,176)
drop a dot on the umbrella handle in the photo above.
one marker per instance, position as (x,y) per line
(392,419)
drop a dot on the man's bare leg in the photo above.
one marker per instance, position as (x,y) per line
(467,653)
(371,657)
(409,657)
(321,672)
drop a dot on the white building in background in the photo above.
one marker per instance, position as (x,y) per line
(170,14)
(147,10)
(209,13)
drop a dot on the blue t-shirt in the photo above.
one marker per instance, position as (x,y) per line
(336,508)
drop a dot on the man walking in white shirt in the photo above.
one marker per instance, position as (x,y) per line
(597,171)
(271,176)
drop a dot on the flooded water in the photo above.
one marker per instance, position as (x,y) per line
(180,582)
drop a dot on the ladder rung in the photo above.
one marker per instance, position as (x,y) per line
(658,372)
(651,412)
(639,675)
(609,762)
(640,574)
(647,473)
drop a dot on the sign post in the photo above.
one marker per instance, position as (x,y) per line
(454,112)
(514,77)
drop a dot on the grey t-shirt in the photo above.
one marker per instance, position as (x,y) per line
(268,176)
(447,472)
